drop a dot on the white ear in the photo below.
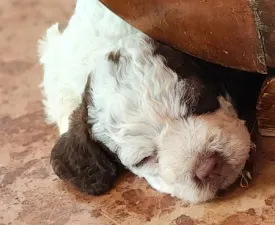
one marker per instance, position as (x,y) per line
(227,107)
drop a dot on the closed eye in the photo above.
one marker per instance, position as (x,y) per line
(148,159)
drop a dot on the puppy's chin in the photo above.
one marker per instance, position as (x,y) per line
(187,192)
(193,195)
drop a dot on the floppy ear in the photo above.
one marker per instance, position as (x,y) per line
(87,166)
(82,161)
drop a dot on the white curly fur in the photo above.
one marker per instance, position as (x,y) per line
(137,108)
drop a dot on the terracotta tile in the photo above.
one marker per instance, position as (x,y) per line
(23,22)
(30,192)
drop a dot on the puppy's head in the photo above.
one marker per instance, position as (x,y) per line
(77,158)
(202,154)
(205,150)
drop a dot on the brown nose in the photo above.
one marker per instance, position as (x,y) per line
(207,167)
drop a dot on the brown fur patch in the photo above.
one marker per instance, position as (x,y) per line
(77,158)
(79,118)
(114,57)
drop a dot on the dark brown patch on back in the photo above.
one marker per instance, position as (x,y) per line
(200,93)
(114,57)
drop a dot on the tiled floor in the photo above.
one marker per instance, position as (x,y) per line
(30,194)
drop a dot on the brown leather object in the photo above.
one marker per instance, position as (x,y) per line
(220,31)
(266,108)
(266,24)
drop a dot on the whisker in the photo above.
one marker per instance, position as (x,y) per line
(253,127)
(253,146)
(244,182)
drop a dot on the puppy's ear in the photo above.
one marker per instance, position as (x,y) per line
(227,107)
(77,158)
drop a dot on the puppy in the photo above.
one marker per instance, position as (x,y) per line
(146,106)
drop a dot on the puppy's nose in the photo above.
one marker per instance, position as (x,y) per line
(207,167)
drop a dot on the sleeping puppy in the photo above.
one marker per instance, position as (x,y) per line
(120,98)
